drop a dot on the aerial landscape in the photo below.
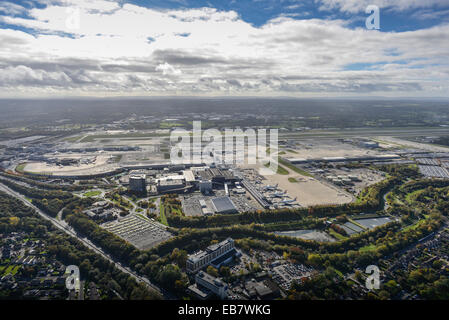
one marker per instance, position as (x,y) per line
(208,166)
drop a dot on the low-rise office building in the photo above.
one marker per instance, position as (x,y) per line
(206,286)
(216,255)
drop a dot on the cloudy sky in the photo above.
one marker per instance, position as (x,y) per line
(301,48)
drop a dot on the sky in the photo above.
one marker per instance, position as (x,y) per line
(291,48)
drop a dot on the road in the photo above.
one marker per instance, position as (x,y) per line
(62,225)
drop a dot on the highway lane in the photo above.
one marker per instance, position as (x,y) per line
(62,225)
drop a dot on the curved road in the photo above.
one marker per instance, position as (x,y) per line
(62,225)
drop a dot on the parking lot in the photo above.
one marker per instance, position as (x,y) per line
(285,274)
(434,172)
(139,231)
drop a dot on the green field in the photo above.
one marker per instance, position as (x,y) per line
(11,269)
(163,218)
(337,235)
(92,138)
(295,169)
(367,248)
(21,168)
(280,170)
(72,139)
(169,125)
(92,194)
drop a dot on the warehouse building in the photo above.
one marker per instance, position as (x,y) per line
(224,205)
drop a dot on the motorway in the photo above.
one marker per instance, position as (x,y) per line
(62,225)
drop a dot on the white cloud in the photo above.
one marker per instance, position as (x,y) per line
(9,8)
(111,53)
(354,6)
(168,69)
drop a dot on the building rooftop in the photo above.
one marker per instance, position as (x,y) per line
(200,254)
(224,204)
(201,293)
(173,182)
(138,176)
(188,175)
(216,282)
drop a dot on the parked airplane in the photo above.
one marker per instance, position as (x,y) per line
(288,201)
(278,195)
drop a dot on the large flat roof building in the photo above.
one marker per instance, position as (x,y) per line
(200,259)
(224,205)
(171,183)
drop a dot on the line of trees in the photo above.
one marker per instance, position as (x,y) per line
(16,217)
(49,201)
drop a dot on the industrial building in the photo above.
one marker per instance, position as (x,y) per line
(138,182)
(224,205)
(216,255)
(206,285)
(216,175)
(171,184)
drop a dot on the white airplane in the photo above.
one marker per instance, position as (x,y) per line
(271,188)
(278,195)
(288,201)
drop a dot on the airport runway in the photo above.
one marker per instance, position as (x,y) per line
(366,132)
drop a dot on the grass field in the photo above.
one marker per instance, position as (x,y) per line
(337,235)
(163,218)
(11,269)
(295,169)
(280,170)
(413,226)
(292,180)
(169,125)
(21,168)
(92,194)
(72,139)
(92,138)
(367,248)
